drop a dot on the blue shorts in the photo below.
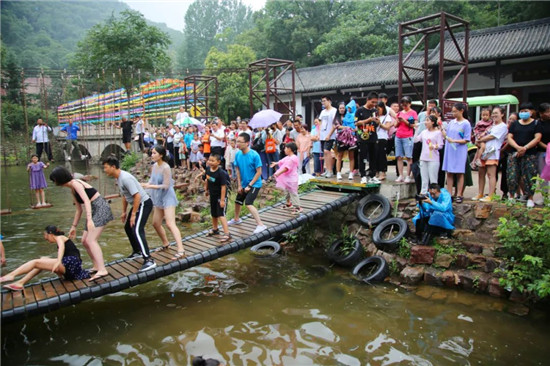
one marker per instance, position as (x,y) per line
(404,147)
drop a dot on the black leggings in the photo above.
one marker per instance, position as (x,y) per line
(367,151)
(423,226)
(382,160)
(136,234)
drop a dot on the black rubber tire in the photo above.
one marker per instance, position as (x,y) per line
(258,248)
(389,244)
(382,209)
(349,260)
(378,274)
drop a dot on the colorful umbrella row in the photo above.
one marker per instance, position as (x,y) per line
(156,99)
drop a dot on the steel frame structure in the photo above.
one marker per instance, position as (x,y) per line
(271,70)
(447,23)
(203,95)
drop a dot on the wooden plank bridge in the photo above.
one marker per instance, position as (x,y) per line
(53,293)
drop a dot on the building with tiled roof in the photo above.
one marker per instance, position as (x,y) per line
(510,59)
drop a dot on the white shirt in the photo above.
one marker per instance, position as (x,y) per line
(327,117)
(170,136)
(178,136)
(139,127)
(500,132)
(181,116)
(214,142)
(380,132)
(40,133)
(279,135)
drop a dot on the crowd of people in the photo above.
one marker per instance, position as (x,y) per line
(436,153)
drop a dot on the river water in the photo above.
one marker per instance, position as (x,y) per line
(295,309)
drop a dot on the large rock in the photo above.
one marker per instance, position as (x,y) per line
(422,254)
(432,277)
(482,210)
(462,261)
(499,211)
(412,275)
(495,289)
(450,278)
(444,260)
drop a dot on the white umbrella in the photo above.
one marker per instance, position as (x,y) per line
(264,118)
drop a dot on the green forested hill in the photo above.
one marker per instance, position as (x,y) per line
(45,33)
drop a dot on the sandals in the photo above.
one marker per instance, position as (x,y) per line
(178,255)
(225,238)
(165,247)
(213,232)
(459,199)
(287,207)
(13,287)
(297,211)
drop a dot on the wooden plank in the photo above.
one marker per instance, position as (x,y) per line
(28,294)
(7,300)
(18,300)
(195,243)
(122,270)
(69,286)
(81,284)
(58,286)
(208,242)
(190,249)
(130,268)
(49,290)
(334,195)
(161,258)
(39,293)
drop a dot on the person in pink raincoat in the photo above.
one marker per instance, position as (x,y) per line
(287,177)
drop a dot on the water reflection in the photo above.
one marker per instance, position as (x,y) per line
(289,310)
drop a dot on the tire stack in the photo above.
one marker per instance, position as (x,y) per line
(374,210)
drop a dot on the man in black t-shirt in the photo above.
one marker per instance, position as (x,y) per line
(366,124)
(216,181)
(126,127)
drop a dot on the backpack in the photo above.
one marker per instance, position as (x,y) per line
(270,146)
(258,144)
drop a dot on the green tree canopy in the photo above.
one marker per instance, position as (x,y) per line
(211,23)
(233,85)
(123,45)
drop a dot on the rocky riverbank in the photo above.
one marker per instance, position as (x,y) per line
(194,206)
(469,260)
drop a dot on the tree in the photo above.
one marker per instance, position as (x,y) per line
(292,29)
(233,85)
(124,45)
(10,76)
(211,23)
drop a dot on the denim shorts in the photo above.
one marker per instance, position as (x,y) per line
(404,147)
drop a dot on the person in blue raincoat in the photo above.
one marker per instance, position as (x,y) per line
(345,139)
(435,216)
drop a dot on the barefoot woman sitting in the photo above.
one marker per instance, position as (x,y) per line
(67,264)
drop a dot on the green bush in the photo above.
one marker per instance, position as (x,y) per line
(129,161)
(526,247)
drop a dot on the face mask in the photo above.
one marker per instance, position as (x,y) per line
(524,115)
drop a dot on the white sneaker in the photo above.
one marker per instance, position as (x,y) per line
(530,204)
(539,202)
(364,180)
(374,180)
(338,176)
(259,229)
(399,179)
(408,179)
(68,158)
(329,175)
(83,157)
(38,205)
(235,222)
(324,175)
(350,176)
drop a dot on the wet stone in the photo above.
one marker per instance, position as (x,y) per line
(495,289)
(518,309)
(449,278)
(482,210)
(422,254)
(443,260)
(462,261)
(472,223)
(432,277)
(412,275)
(491,264)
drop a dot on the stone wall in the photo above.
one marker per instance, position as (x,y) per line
(468,260)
